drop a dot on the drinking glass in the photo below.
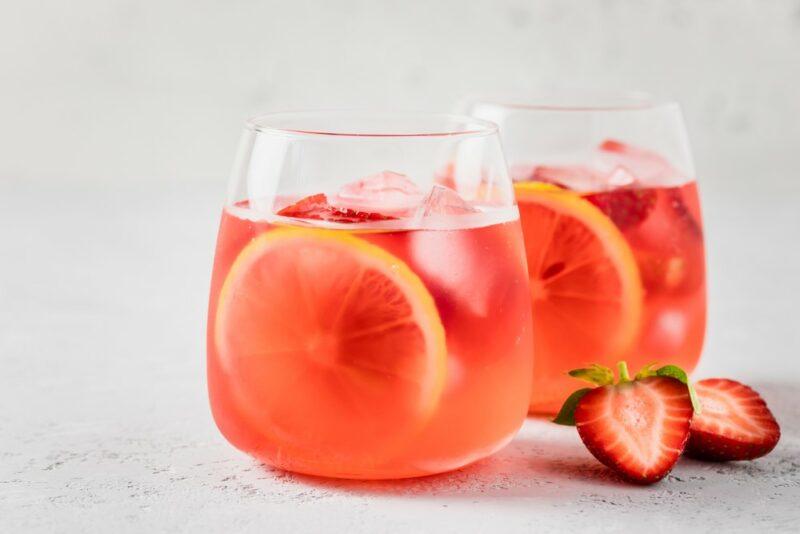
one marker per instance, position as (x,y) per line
(613,232)
(367,319)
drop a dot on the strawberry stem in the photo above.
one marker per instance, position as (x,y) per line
(622,369)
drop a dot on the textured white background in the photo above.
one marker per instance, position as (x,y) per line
(111,92)
(119,125)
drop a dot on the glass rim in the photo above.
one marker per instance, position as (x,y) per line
(269,123)
(574,101)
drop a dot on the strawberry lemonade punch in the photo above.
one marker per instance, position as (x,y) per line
(365,321)
(613,233)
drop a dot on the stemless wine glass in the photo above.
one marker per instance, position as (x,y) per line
(611,219)
(367,319)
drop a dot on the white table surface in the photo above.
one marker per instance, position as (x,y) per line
(105,427)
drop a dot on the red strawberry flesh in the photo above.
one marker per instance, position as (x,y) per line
(317,207)
(734,423)
(627,207)
(637,428)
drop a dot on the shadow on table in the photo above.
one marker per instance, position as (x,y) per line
(527,467)
(551,463)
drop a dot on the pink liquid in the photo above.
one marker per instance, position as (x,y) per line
(477,279)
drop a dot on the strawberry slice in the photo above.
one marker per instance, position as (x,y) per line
(735,423)
(317,207)
(636,427)
(627,207)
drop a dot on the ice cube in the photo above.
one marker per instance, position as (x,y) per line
(455,267)
(625,164)
(576,177)
(386,192)
(444,201)
(620,177)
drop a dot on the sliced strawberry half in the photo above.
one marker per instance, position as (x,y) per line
(636,427)
(735,423)
(317,207)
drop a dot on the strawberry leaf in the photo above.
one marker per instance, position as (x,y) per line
(596,374)
(646,371)
(673,371)
(622,370)
(567,414)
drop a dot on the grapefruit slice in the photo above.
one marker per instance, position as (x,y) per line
(585,286)
(334,346)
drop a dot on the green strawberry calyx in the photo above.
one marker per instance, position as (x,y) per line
(601,376)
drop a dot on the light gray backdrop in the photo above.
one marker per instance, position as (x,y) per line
(120,120)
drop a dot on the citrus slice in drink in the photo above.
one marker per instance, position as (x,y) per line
(587,295)
(335,345)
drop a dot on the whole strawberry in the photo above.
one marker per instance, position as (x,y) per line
(638,427)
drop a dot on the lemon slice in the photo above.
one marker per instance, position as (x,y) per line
(335,347)
(585,287)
